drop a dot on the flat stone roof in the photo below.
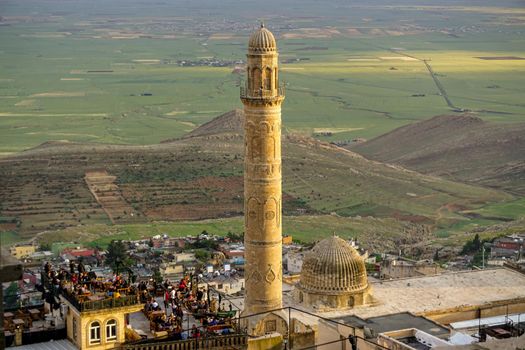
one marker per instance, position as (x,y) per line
(430,293)
(403,320)
(63,344)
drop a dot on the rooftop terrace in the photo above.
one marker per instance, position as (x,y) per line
(440,292)
(86,292)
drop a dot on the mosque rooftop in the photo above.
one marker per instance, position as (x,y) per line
(419,295)
(426,294)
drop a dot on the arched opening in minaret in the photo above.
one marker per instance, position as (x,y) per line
(268,78)
(256,79)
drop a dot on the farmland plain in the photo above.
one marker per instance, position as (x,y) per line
(139,74)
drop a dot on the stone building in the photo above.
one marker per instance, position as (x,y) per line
(99,325)
(20,251)
(333,276)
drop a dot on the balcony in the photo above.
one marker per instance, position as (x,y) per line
(262,94)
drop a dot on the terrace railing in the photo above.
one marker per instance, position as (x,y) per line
(92,305)
(218,342)
(88,305)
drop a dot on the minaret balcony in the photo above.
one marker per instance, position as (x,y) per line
(262,94)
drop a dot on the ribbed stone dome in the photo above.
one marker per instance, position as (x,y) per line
(333,266)
(262,41)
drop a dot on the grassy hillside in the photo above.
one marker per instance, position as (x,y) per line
(200,177)
(464,148)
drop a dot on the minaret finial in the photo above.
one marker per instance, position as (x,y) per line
(262,24)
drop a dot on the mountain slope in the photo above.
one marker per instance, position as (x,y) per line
(200,177)
(463,148)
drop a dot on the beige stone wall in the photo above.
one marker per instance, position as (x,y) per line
(301,336)
(470,312)
(268,342)
(329,332)
(73,333)
(325,302)
(102,317)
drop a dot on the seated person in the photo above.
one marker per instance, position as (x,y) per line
(147,307)
(177,333)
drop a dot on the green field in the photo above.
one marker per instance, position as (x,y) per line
(512,210)
(71,76)
(303,228)
(7,238)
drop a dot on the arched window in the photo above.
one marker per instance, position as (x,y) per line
(267,79)
(111,330)
(94,333)
(256,76)
(351,302)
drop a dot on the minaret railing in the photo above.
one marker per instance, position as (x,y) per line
(262,93)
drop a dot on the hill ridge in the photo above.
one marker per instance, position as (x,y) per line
(462,148)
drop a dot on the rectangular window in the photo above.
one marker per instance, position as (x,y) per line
(270,326)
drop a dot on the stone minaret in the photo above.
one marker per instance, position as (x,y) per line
(262,97)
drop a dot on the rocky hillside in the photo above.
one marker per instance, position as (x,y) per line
(463,148)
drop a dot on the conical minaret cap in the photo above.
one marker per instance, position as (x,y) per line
(262,41)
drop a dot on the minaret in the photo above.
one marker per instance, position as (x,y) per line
(262,97)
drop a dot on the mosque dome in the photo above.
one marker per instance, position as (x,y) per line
(333,267)
(262,41)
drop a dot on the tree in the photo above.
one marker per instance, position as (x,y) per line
(476,242)
(157,276)
(436,255)
(11,296)
(117,256)
(45,247)
(472,246)
(202,255)
(234,237)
